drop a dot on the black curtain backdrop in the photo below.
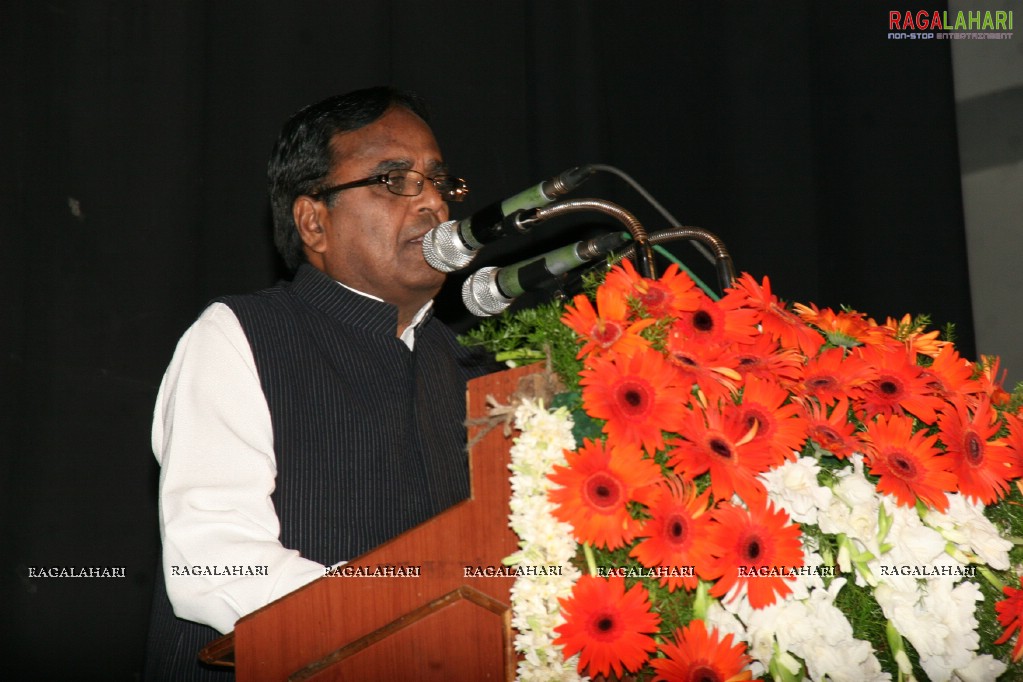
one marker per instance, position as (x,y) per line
(135,135)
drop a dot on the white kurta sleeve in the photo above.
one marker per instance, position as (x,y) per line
(213,437)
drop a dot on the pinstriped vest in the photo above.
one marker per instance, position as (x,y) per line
(368,435)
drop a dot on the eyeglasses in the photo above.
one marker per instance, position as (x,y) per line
(406,182)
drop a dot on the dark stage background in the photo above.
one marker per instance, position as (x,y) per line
(135,135)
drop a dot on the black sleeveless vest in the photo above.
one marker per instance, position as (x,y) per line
(368,436)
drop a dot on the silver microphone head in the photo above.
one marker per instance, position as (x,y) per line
(480,294)
(444,250)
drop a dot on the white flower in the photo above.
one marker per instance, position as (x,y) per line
(909,540)
(982,668)
(543,540)
(965,525)
(937,617)
(816,631)
(832,652)
(806,624)
(854,512)
(853,508)
(951,609)
(793,487)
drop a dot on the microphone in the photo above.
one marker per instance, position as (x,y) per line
(453,244)
(490,290)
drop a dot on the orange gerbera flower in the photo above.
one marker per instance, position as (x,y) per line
(1014,441)
(846,328)
(674,533)
(696,655)
(833,375)
(639,396)
(711,323)
(672,293)
(913,335)
(607,626)
(909,465)
(950,374)
(899,386)
(766,359)
(982,466)
(747,543)
(716,440)
(780,427)
(832,432)
(705,365)
(608,327)
(595,491)
(776,321)
(1010,615)
(990,381)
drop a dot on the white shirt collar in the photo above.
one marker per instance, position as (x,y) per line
(409,335)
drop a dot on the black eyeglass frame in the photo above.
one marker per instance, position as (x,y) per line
(457,193)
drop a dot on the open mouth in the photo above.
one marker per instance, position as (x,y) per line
(418,239)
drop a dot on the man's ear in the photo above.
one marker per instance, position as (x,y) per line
(309,216)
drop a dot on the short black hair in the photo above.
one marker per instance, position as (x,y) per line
(302,157)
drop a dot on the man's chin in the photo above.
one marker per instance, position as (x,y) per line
(425,279)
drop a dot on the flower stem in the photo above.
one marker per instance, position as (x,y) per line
(591,561)
(702,600)
(991,577)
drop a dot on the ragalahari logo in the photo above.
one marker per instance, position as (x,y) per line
(961,25)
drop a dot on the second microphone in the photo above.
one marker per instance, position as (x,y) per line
(490,290)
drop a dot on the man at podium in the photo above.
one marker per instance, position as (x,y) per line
(302,425)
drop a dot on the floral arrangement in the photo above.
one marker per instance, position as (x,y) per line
(742,489)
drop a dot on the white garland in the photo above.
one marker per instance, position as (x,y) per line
(544,541)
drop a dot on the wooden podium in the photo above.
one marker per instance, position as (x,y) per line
(440,625)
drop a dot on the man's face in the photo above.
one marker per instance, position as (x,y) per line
(372,239)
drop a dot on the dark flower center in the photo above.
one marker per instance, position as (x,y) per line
(703,673)
(973,448)
(720,447)
(702,321)
(634,398)
(825,436)
(902,465)
(603,492)
(605,627)
(683,359)
(889,387)
(759,420)
(676,529)
(753,548)
(820,383)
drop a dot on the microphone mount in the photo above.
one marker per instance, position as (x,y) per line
(722,258)
(641,247)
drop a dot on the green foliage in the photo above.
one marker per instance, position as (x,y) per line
(1015,404)
(583,425)
(528,336)
(949,333)
(867,620)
